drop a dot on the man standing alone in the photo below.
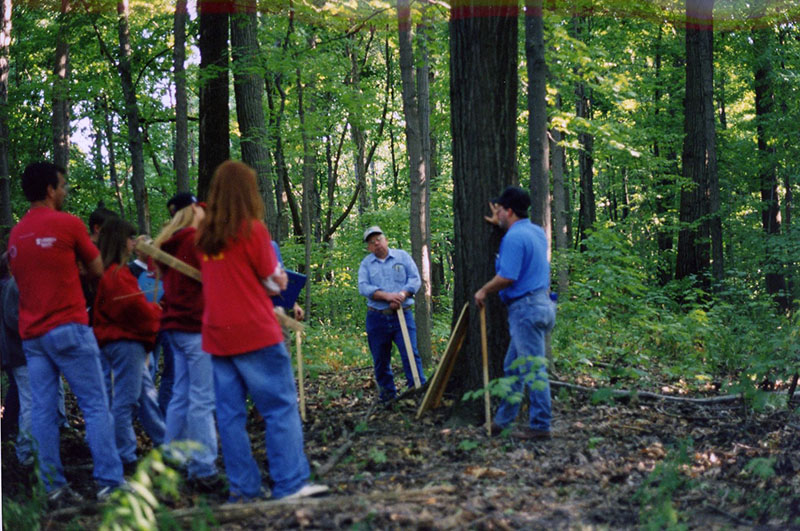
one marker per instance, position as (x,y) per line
(53,323)
(523,280)
(388,278)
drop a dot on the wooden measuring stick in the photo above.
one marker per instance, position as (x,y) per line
(137,293)
(409,352)
(298,338)
(485,355)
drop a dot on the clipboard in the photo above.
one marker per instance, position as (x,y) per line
(289,296)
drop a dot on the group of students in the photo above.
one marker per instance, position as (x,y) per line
(222,333)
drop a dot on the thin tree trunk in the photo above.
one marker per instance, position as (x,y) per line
(6,219)
(112,158)
(665,196)
(61,104)
(248,87)
(181,157)
(309,163)
(560,209)
(135,142)
(587,214)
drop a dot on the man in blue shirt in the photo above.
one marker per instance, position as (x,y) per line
(388,278)
(523,280)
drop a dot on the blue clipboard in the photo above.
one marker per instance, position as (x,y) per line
(288,297)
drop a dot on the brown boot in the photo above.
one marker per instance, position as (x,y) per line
(529,434)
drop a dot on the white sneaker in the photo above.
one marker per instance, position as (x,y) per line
(308,490)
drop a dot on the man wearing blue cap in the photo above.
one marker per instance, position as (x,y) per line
(523,280)
(388,278)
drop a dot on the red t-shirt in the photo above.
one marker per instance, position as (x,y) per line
(43,249)
(238,315)
(183,296)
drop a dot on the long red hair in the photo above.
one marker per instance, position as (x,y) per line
(232,200)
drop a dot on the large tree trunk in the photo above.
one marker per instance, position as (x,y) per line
(214,145)
(135,142)
(483,95)
(416,109)
(770,209)
(538,146)
(699,150)
(181,156)
(6,219)
(248,87)
(61,90)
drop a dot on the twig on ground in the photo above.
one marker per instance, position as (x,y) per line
(646,394)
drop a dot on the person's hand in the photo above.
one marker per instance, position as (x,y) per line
(281,278)
(395,305)
(494,219)
(480,297)
(299,313)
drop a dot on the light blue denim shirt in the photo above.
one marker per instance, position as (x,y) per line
(396,272)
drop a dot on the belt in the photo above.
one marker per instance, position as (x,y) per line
(509,302)
(387,311)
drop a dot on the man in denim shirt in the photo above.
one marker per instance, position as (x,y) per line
(388,278)
(523,279)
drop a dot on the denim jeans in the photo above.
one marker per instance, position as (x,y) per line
(382,331)
(163,349)
(267,375)
(190,414)
(124,361)
(72,350)
(529,319)
(24,443)
(148,410)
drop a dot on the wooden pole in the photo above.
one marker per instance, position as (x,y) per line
(409,351)
(298,339)
(485,355)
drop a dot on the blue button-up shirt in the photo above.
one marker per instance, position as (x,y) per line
(523,259)
(397,272)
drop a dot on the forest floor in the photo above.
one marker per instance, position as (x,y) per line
(623,464)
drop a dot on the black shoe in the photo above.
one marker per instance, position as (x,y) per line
(212,484)
(63,497)
(497,429)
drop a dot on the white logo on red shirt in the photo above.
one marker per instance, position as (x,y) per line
(45,243)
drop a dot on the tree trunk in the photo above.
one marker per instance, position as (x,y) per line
(416,113)
(483,95)
(248,87)
(181,157)
(309,163)
(538,146)
(214,145)
(560,209)
(135,142)
(112,158)
(665,196)
(770,208)
(587,214)
(699,149)
(61,103)
(6,219)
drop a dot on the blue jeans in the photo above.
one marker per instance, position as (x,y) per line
(125,361)
(167,373)
(382,331)
(24,443)
(529,319)
(267,375)
(148,410)
(72,350)
(190,414)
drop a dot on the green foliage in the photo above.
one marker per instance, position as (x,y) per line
(468,445)
(377,456)
(761,467)
(25,514)
(656,494)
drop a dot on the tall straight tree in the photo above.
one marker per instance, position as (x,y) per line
(248,89)
(416,109)
(538,145)
(61,90)
(699,209)
(6,219)
(135,143)
(181,156)
(483,95)
(587,214)
(214,145)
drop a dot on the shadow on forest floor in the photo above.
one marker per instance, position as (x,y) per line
(612,465)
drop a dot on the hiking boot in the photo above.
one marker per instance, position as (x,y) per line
(497,429)
(309,490)
(63,497)
(529,434)
(237,497)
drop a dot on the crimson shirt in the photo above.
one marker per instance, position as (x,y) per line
(43,248)
(183,296)
(238,315)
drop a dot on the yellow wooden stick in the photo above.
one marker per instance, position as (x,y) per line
(485,355)
(298,335)
(409,352)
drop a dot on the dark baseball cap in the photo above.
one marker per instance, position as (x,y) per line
(179,201)
(514,198)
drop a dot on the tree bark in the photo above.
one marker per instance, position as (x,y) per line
(587,210)
(309,163)
(61,104)
(538,146)
(181,157)
(135,142)
(6,219)
(112,158)
(248,86)
(560,209)
(214,145)
(483,95)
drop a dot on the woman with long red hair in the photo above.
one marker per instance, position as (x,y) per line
(243,336)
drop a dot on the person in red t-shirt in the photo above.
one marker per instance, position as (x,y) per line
(125,325)
(242,333)
(44,248)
